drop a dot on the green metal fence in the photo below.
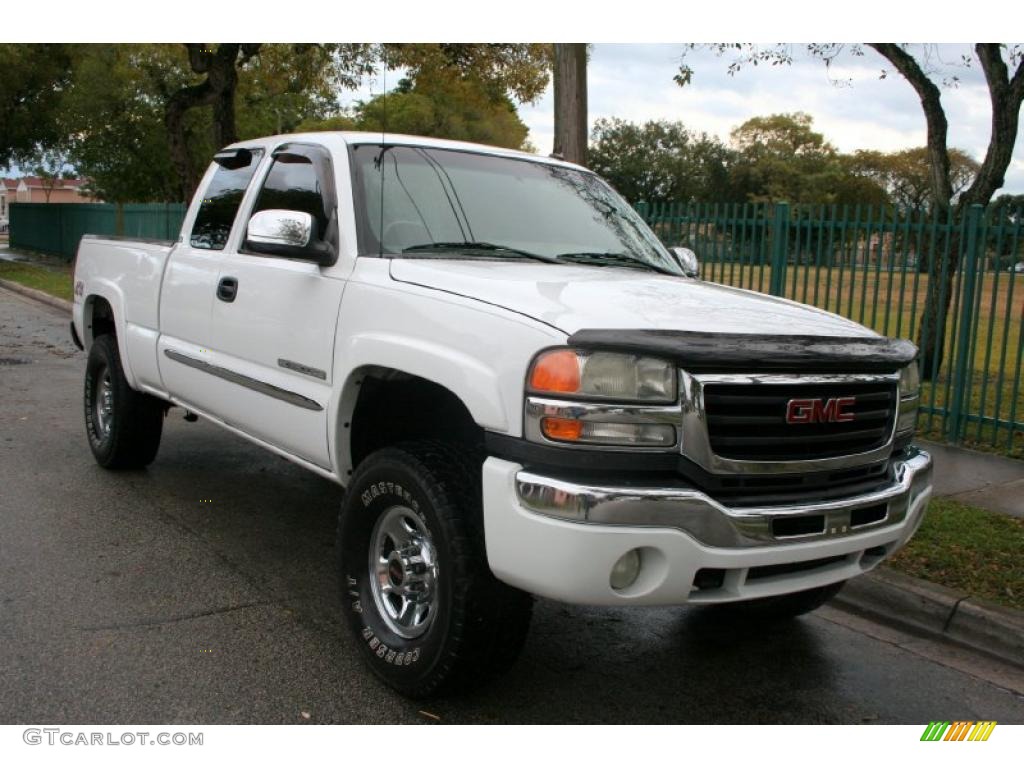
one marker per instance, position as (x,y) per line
(876,266)
(56,228)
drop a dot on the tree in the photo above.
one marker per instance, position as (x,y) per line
(51,166)
(906,174)
(112,116)
(1006,94)
(220,66)
(570,73)
(302,68)
(142,120)
(451,107)
(34,77)
(457,91)
(660,161)
(517,70)
(1008,208)
(781,158)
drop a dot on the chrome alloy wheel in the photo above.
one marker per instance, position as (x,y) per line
(103,403)
(403,572)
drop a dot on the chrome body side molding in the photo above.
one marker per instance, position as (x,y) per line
(291,365)
(245,381)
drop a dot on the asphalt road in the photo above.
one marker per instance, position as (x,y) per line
(201,591)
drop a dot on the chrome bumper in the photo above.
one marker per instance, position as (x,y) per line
(717,525)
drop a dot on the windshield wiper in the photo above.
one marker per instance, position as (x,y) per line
(477,245)
(615,259)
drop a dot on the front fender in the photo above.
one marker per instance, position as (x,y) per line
(474,382)
(477,352)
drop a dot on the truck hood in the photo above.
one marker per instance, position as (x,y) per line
(572,298)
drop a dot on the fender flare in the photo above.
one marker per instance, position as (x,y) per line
(99,288)
(470,380)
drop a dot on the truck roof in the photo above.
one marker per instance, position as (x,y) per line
(377,137)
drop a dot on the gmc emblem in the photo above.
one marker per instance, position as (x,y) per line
(817,410)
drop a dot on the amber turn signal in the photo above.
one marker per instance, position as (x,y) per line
(556,371)
(556,428)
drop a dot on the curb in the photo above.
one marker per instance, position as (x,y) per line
(944,614)
(40,296)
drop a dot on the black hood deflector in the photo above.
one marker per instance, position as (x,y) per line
(755,353)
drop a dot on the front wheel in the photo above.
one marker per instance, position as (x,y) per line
(123,426)
(426,611)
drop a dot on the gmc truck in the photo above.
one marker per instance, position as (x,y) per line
(521,389)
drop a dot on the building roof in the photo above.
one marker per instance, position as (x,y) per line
(36,181)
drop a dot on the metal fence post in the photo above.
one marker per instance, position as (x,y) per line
(780,247)
(961,369)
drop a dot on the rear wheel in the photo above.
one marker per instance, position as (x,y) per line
(767,610)
(418,594)
(123,426)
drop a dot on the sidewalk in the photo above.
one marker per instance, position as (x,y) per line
(995,483)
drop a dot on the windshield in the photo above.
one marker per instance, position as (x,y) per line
(447,204)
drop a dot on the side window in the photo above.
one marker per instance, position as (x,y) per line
(292,185)
(220,205)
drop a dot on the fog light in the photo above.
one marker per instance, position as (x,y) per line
(626,570)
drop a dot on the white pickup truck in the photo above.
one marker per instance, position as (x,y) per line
(521,389)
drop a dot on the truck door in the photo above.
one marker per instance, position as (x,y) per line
(190,278)
(274,320)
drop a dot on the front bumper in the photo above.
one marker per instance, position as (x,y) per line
(561,539)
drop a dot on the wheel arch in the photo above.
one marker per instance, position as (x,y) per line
(103,312)
(383,405)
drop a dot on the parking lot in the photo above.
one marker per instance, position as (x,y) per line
(201,590)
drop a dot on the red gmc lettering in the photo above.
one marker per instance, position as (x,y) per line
(819,411)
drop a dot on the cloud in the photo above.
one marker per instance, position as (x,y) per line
(634,82)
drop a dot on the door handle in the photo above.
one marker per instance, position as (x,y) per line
(227,289)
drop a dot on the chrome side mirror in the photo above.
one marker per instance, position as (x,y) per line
(290,234)
(292,229)
(687,261)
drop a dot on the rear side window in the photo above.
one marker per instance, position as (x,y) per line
(293,185)
(220,205)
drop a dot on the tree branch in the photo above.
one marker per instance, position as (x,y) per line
(935,117)
(1005,116)
(1017,85)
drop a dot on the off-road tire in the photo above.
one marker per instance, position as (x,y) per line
(480,624)
(134,420)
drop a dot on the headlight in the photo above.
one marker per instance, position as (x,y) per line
(602,399)
(603,375)
(910,396)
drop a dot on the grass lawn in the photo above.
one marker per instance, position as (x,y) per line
(968,549)
(56,282)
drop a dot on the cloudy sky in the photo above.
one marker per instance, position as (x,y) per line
(634,82)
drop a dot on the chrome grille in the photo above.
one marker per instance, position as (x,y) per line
(747,422)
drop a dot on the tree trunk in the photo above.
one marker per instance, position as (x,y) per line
(218,90)
(174,120)
(1006,95)
(570,78)
(224,132)
(931,334)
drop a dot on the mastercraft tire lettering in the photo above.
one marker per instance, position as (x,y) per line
(416,591)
